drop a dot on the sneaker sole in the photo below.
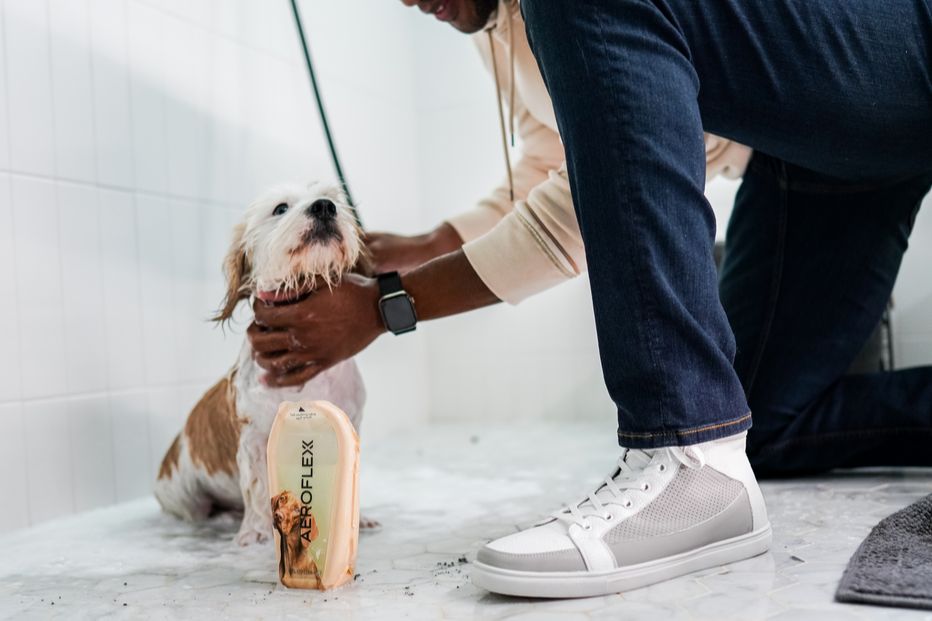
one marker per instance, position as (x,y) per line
(567,584)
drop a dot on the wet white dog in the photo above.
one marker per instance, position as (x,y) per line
(292,239)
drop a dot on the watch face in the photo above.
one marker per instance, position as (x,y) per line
(398,313)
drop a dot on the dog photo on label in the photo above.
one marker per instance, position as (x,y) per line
(292,240)
(293,556)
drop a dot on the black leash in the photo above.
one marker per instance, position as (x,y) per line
(323,113)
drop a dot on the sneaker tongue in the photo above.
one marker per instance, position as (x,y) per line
(639,458)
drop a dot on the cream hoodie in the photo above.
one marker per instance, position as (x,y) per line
(523,238)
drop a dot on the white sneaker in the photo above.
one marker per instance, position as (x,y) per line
(661,513)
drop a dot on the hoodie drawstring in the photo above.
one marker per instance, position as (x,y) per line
(511,102)
(511,69)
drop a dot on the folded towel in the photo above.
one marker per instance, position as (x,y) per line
(893,566)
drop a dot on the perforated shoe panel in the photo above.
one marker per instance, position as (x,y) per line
(693,497)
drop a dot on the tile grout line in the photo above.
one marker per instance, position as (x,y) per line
(100,242)
(119,188)
(61,258)
(120,392)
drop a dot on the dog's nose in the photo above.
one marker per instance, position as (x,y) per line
(322,208)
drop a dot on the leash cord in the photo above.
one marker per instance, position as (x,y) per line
(323,113)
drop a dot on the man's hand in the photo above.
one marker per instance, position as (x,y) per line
(403,253)
(294,342)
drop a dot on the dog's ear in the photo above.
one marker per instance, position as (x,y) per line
(237,270)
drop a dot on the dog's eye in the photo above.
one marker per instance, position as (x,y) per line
(280,209)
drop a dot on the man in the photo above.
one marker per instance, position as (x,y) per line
(837,94)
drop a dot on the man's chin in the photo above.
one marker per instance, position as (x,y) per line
(481,13)
(468,28)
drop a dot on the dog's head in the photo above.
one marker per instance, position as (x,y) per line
(292,239)
(286,512)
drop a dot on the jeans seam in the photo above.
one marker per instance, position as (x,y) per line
(625,157)
(686,432)
(776,285)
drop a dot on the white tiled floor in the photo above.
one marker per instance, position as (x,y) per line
(440,494)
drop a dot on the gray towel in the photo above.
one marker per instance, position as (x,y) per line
(893,566)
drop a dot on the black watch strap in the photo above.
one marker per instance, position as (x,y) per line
(389,282)
(395,305)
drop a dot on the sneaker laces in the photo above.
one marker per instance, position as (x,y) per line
(627,475)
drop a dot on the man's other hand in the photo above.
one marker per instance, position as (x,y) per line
(403,253)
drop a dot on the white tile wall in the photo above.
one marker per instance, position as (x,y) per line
(36,229)
(129,419)
(93,478)
(4,114)
(912,297)
(82,286)
(132,135)
(29,86)
(72,90)
(14,487)
(147,96)
(122,297)
(49,460)
(112,111)
(10,371)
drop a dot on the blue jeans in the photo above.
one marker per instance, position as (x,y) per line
(839,87)
(809,265)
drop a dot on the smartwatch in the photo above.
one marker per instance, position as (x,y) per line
(395,305)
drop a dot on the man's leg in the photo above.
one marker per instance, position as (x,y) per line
(810,263)
(682,496)
(625,97)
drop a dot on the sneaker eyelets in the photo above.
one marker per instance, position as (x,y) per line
(608,517)
(645,487)
(628,503)
(587,526)
(662,467)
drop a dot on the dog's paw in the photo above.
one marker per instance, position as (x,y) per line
(250,536)
(367,523)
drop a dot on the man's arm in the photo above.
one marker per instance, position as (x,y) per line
(295,342)
(401,253)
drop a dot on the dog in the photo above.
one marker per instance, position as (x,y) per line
(293,239)
(292,558)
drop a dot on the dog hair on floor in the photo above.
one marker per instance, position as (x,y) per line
(292,239)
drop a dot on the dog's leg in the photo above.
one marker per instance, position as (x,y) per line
(178,487)
(253,472)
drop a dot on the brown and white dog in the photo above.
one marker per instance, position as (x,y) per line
(292,239)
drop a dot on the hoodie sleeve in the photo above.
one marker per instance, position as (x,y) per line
(534,247)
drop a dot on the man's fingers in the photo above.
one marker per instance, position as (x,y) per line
(284,362)
(281,316)
(298,377)
(266,341)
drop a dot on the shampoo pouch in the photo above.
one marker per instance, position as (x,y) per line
(313,458)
